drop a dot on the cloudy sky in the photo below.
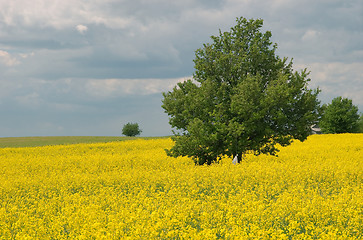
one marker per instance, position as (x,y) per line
(87,67)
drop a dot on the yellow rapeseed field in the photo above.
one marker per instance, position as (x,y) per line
(132,190)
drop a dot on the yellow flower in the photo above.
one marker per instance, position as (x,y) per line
(132,190)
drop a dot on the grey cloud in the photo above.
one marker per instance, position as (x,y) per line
(154,41)
(335,21)
(145,11)
(64,80)
(337,79)
(35,38)
(76,95)
(94,118)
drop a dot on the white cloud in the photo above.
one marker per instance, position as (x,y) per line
(31,100)
(310,35)
(68,13)
(81,28)
(7,59)
(337,79)
(120,87)
(26,55)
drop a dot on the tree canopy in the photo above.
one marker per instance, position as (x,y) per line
(340,116)
(360,123)
(243,97)
(131,130)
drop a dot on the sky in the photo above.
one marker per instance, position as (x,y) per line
(87,67)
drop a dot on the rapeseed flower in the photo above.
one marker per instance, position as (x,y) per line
(132,190)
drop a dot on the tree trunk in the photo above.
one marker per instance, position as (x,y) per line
(239,158)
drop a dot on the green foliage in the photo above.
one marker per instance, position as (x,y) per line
(131,129)
(52,140)
(243,98)
(15,142)
(341,116)
(360,123)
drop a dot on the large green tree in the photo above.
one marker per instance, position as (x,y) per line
(243,97)
(340,116)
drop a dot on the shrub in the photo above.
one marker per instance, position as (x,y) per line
(341,116)
(131,129)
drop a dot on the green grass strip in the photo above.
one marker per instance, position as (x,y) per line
(60,140)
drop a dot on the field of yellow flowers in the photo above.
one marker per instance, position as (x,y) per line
(132,190)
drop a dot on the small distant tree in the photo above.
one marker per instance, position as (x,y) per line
(340,116)
(131,129)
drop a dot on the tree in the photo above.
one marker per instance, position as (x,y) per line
(131,129)
(341,116)
(243,97)
(360,123)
